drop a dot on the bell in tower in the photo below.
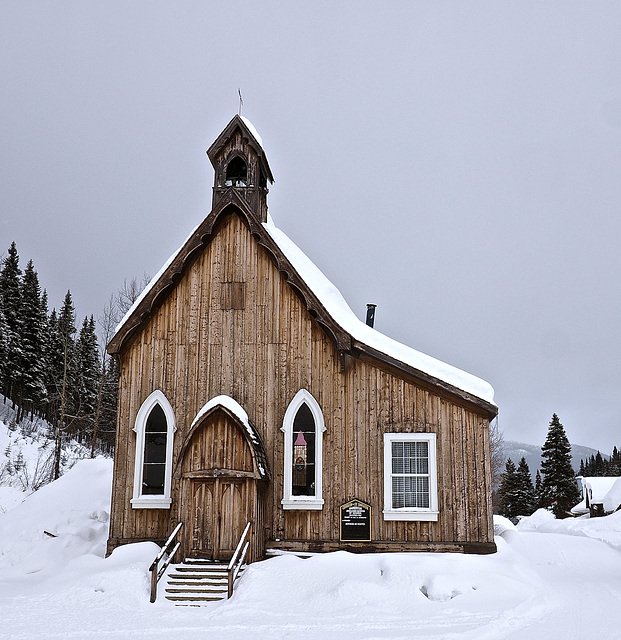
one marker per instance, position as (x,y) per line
(240,164)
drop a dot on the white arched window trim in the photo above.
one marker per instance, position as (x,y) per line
(163,501)
(290,501)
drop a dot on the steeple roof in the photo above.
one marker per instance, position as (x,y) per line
(254,141)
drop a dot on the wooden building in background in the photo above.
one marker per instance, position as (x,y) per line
(249,391)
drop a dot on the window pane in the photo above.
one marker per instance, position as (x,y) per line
(153,478)
(410,457)
(410,492)
(156,422)
(154,467)
(303,471)
(155,447)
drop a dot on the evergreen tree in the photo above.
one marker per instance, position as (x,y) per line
(615,462)
(582,471)
(507,490)
(85,385)
(559,488)
(525,499)
(108,405)
(33,391)
(599,465)
(4,347)
(538,491)
(11,294)
(63,376)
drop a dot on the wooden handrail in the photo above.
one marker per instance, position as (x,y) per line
(157,573)
(238,557)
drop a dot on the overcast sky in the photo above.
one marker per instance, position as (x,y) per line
(456,163)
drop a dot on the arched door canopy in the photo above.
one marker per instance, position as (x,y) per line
(239,417)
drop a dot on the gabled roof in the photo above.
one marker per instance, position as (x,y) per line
(323,300)
(254,141)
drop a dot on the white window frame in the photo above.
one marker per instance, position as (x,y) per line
(290,501)
(159,501)
(411,513)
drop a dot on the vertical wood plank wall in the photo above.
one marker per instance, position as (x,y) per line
(193,349)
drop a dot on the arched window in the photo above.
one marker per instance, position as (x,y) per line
(303,427)
(236,173)
(155,428)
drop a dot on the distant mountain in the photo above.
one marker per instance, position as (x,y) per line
(532,453)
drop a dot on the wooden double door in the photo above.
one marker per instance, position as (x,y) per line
(219,484)
(218,515)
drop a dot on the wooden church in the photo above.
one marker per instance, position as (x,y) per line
(249,392)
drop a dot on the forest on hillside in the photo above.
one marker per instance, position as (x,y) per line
(55,368)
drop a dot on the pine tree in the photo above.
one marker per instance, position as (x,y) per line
(559,488)
(85,386)
(582,471)
(507,490)
(108,406)
(599,465)
(63,360)
(525,499)
(4,348)
(615,462)
(539,503)
(11,294)
(32,341)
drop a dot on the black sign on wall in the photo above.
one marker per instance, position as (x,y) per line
(355,521)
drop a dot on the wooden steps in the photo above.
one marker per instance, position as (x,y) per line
(196,582)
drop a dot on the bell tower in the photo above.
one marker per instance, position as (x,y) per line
(240,163)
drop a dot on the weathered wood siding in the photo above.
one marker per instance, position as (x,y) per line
(255,341)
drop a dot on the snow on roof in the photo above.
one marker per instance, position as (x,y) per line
(334,303)
(238,411)
(598,487)
(234,407)
(253,131)
(612,499)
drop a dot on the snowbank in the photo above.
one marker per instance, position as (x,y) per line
(61,521)
(606,529)
(612,499)
(527,589)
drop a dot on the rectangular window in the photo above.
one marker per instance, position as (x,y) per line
(410,476)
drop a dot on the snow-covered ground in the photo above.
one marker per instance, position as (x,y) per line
(542,583)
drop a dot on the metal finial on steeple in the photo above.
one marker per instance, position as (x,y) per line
(241,102)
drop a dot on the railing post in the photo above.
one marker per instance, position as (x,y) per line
(156,572)
(154,584)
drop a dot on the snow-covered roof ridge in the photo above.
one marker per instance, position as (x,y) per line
(334,303)
(253,131)
(233,406)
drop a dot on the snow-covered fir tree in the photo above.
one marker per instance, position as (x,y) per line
(32,388)
(11,295)
(517,494)
(64,376)
(525,498)
(538,491)
(558,487)
(87,375)
(4,347)
(507,490)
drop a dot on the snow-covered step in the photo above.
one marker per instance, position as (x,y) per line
(197,581)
